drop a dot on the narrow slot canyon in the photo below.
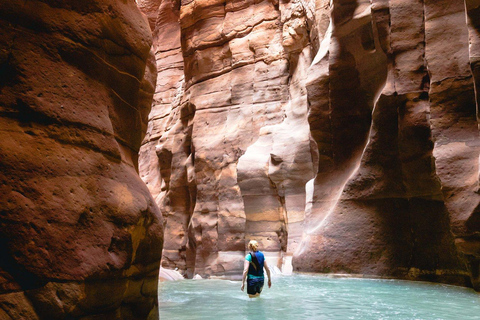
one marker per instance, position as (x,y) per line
(342,135)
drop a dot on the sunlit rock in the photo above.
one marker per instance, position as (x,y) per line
(169,275)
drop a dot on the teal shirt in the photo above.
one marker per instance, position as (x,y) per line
(248,257)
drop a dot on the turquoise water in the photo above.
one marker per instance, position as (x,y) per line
(317,297)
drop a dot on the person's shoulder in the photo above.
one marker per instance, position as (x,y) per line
(248,257)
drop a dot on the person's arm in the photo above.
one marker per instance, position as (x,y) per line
(265,265)
(245,272)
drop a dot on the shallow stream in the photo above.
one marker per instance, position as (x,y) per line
(318,297)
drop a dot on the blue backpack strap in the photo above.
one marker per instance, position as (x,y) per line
(255,263)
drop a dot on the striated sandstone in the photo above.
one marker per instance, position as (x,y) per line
(234,81)
(397,194)
(80,235)
(341,134)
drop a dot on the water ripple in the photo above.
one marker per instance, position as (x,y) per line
(315,297)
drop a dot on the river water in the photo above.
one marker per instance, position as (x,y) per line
(318,297)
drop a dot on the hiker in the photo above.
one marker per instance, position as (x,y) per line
(253,271)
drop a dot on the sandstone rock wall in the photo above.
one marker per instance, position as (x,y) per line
(227,66)
(343,133)
(80,235)
(422,150)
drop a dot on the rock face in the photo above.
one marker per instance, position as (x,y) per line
(393,212)
(241,174)
(80,235)
(341,133)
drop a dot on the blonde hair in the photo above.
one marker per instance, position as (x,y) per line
(253,245)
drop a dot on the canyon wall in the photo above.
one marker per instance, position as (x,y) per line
(80,235)
(342,135)
(394,211)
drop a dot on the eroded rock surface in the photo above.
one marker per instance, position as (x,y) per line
(228,66)
(80,235)
(341,133)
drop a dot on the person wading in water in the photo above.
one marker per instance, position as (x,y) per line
(253,271)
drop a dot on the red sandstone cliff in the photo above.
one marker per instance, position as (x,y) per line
(80,235)
(341,133)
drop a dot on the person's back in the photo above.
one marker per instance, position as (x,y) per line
(256,264)
(253,271)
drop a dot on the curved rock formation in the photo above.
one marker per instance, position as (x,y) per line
(235,68)
(391,217)
(343,133)
(401,194)
(80,235)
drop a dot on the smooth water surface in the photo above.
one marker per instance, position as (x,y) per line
(317,297)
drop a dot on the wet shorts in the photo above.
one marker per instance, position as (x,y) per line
(254,286)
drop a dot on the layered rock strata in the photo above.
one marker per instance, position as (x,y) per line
(80,235)
(343,133)
(392,217)
(228,66)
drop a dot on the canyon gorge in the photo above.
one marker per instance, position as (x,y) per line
(342,135)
